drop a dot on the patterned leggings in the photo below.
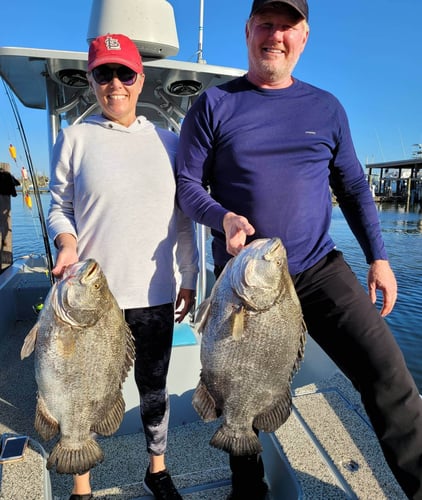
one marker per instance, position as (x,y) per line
(152,329)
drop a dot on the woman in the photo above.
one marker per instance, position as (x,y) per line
(113,199)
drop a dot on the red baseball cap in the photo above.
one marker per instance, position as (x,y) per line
(119,49)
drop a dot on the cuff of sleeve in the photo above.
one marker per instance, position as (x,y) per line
(188,281)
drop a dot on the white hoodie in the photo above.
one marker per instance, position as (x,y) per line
(113,188)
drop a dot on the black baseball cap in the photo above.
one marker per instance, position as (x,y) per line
(300,5)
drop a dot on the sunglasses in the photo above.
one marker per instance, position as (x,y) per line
(104,74)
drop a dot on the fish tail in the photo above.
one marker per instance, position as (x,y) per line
(69,460)
(204,403)
(246,443)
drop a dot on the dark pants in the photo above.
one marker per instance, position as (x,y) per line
(341,318)
(152,329)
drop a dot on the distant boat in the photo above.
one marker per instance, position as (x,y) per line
(43,189)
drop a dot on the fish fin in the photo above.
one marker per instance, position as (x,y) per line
(271,420)
(29,342)
(236,443)
(111,422)
(204,403)
(45,424)
(300,352)
(238,323)
(202,314)
(130,353)
(71,460)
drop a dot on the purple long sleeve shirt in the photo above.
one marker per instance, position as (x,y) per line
(271,156)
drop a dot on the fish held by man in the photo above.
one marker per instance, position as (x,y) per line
(253,340)
(83,352)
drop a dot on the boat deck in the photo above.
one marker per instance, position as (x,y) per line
(325,450)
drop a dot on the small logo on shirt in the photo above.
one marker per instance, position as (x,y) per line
(310,132)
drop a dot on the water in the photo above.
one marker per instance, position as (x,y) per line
(27,235)
(402,230)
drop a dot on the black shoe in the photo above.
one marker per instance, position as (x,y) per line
(88,496)
(161,485)
(257,491)
(247,478)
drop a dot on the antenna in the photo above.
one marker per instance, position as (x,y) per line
(201,32)
(380,146)
(402,145)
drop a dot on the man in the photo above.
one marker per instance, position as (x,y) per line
(257,158)
(113,199)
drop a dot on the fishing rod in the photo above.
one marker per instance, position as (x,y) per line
(34,180)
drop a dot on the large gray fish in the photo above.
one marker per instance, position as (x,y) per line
(83,352)
(253,339)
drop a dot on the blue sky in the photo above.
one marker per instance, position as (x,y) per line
(367,53)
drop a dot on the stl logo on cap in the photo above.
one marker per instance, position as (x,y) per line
(112,43)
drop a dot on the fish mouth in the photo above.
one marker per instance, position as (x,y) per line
(274,247)
(66,301)
(267,247)
(88,271)
(254,277)
(91,268)
(87,268)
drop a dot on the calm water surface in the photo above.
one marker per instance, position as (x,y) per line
(402,230)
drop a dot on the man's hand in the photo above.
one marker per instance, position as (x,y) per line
(237,228)
(381,277)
